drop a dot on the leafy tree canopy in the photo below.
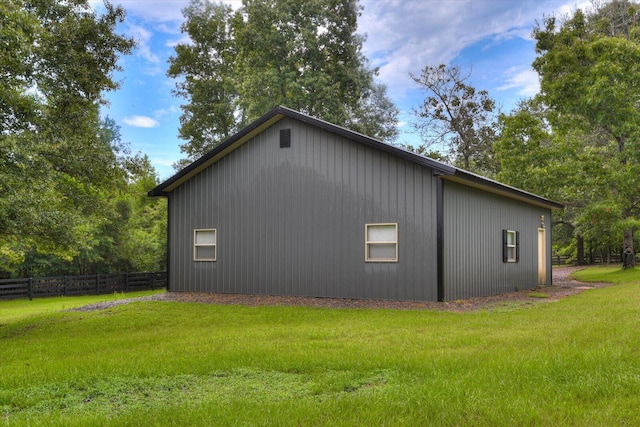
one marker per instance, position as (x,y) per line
(578,141)
(55,161)
(302,54)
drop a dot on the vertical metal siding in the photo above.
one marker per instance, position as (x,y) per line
(473,226)
(290,221)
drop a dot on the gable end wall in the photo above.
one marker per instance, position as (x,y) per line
(290,221)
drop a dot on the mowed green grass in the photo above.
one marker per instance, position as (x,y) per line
(572,362)
(12,310)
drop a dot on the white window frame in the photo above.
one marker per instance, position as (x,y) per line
(512,248)
(197,245)
(370,243)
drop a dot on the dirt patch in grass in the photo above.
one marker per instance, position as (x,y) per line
(562,287)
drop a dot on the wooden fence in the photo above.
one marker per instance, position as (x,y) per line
(590,259)
(94,284)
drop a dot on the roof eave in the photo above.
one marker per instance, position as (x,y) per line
(218,152)
(277,113)
(268,119)
(476,181)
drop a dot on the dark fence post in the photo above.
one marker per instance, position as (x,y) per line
(79,285)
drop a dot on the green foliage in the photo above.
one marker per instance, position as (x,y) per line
(207,83)
(130,237)
(577,142)
(66,179)
(124,231)
(600,222)
(144,232)
(375,114)
(18,31)
(55,169)
(300,54)
(159,363)
(525,149)
(424,151)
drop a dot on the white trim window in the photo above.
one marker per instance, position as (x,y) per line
(205,244)
(510,246)
(381,242)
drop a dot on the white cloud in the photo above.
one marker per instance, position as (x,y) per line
(155,10)
(526,82)
(141,122)
(143,36)
(162,10)
(570,8)
(185,40)
(404,36)
(165,111)
(164,161)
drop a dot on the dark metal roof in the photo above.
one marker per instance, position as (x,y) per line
(276,114)
(476,181)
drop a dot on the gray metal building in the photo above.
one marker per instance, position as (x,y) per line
(293,205)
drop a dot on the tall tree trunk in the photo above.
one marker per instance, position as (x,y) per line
(628,251)
(580,244)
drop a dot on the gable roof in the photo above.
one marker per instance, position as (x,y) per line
(276,114)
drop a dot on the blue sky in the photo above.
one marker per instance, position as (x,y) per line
(490,37)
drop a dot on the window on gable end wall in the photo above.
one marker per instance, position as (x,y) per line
(381,242)
(205,244)
(510,246)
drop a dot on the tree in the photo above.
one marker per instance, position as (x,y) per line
(207,67)
(301,54)
(457,116)
(525,149)
(144,245)
(549,161)
(54,166)
(18,33)
(375,114)
(590,76)
(577,141)
(129,235)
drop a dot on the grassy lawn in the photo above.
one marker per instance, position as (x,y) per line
(572,362)
(12,310)
(614,275)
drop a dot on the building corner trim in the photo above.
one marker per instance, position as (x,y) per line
(440,237)
(168,260)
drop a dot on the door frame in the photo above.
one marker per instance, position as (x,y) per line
(542,257)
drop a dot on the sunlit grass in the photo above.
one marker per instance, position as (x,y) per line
(12,310)
(572,362)
(614,274)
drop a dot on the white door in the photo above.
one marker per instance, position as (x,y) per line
(542,257)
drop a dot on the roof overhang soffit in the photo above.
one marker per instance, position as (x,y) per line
(495,187)
(213,156)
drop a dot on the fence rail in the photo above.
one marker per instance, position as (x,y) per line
(95,284)
(589,259)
